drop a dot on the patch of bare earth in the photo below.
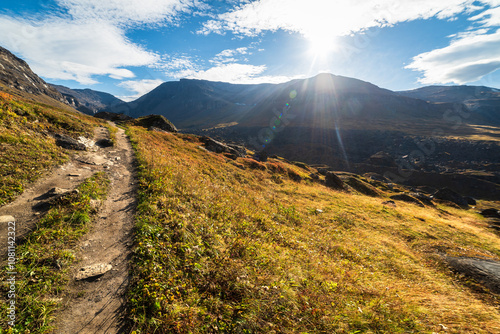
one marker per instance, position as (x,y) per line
(95,304)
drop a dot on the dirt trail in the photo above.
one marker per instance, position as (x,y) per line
(95,306)
(67,176)
(89,306)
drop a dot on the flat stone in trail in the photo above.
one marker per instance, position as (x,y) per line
(93,271)
(6,219)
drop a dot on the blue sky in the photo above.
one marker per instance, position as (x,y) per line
(128,47)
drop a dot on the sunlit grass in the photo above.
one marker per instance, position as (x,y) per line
(27,149)
(239,246)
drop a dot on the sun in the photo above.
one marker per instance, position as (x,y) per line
(321,45)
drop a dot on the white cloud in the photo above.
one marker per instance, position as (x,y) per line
(139,88)
(237,73)
(86,38)
(327,18)
(470,56)
(228,56)
(466,59)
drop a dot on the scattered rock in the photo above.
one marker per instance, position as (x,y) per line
(213,145)
(93,271)
(382,159)
(69,143)
(333,181)
(6,219)
(447,194)
(407,198)
(490,213)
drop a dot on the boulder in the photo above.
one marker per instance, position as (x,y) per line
(383,159)
(69,143)
(407,198)
(447,194)
(490,213)
(333,181)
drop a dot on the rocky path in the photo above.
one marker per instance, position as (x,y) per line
(94,305)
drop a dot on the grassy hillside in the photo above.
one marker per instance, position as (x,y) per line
(27,149)
(227,246)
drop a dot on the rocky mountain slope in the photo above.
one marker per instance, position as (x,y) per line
(479,100)
(16,74)
(87,100)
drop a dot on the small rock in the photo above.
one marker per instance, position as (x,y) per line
(117,158)
(57,191)
(318,211)
(389,203)
(74,174)
(6,219)
(93,271)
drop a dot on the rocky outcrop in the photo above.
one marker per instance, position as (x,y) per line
(156,121)
(446,194)
(69,143)
(333,181)
(15,73)
(218,147)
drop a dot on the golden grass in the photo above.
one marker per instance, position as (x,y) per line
(225,249)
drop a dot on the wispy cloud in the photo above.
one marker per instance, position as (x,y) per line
(138,88)
(82,39)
